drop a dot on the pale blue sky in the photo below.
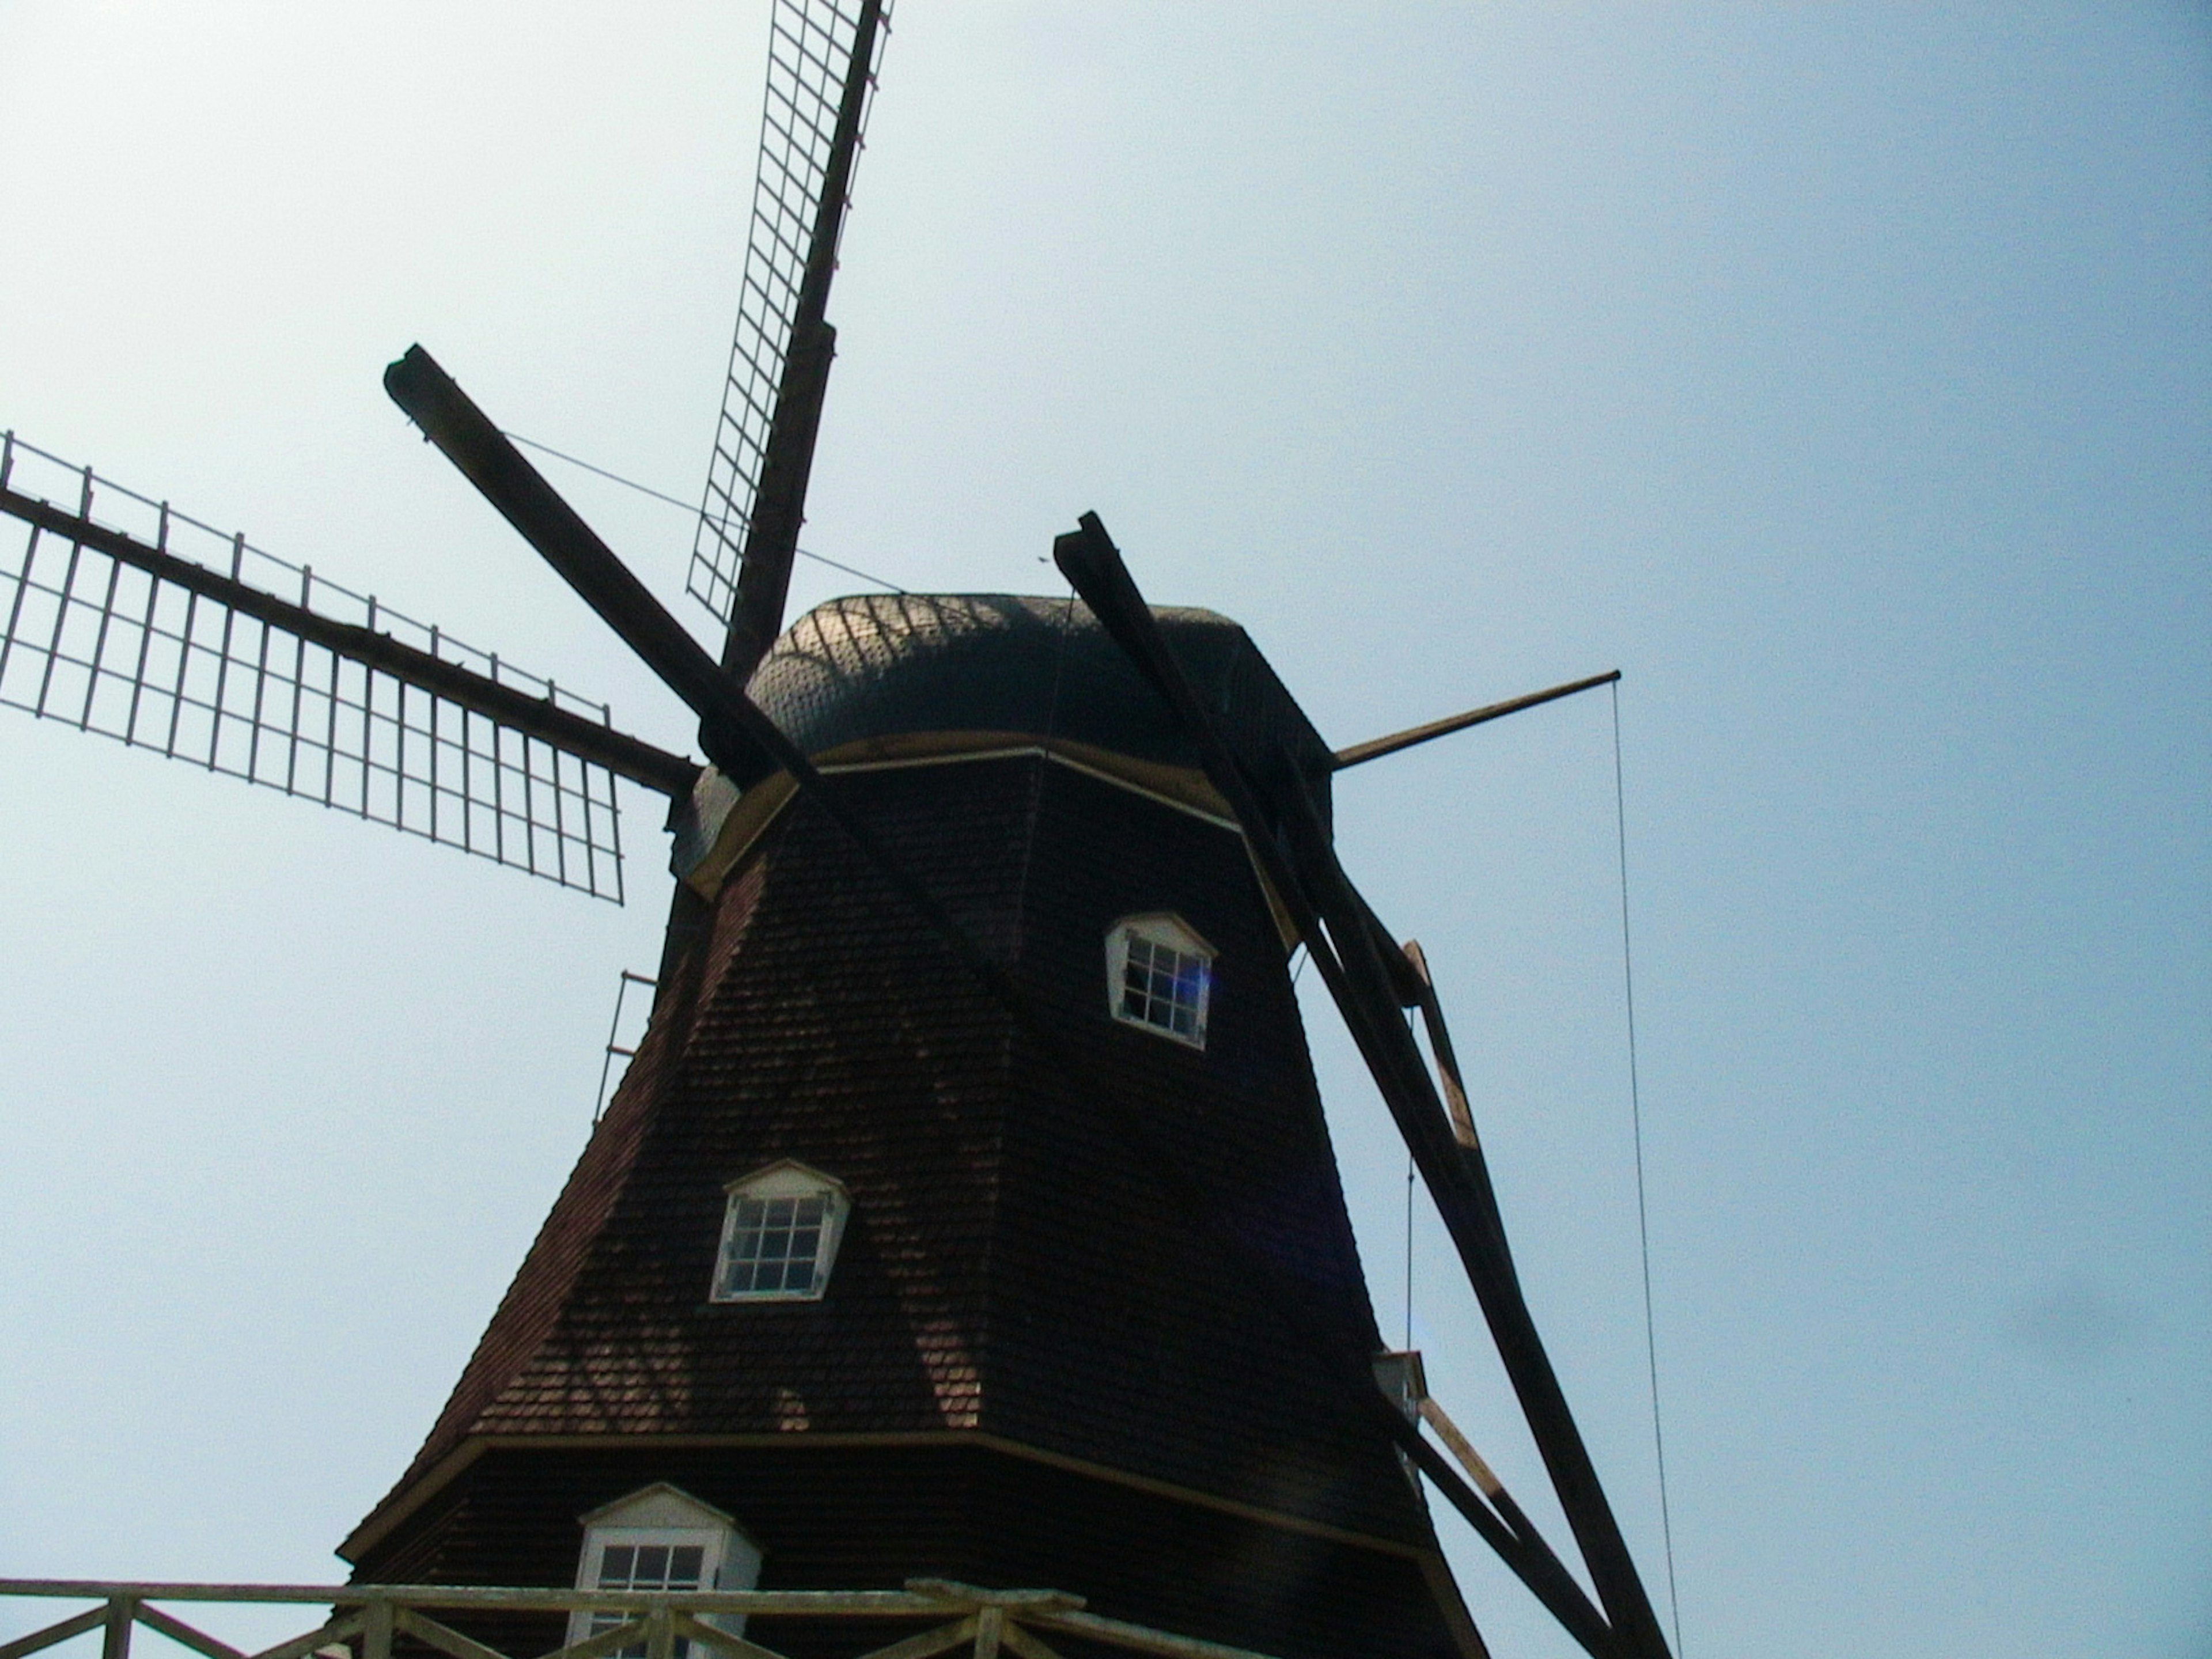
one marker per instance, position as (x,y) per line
(1839,374)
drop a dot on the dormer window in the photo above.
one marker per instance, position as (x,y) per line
(1159,975)
(658,1538)
(780,1235)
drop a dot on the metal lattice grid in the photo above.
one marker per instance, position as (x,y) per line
(810,55)
(95,641)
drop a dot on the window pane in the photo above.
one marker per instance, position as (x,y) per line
(774,1245)
(647,1567)
(1162,986)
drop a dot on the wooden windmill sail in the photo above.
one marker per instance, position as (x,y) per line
(968,1210)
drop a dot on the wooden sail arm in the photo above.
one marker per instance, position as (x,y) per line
(538,717)
(822,62)
(469,439)
(778,509)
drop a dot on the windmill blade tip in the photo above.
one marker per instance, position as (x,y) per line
(1086,549)
(408,362)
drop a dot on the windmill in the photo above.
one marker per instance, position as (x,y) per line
(209,660)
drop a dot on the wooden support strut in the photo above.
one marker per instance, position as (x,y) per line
(376,1632)
(1362,996)
(200,1642)
(711,1637)
(54,1634)
(339,1629)
(1458,1179)
(1440,1043)
(115,1640)
(1472,1461)
(1375,747)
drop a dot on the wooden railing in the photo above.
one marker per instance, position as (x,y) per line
(366,1619)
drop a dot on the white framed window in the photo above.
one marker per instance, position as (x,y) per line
(1159,975)
(661,1538)
(780,1235)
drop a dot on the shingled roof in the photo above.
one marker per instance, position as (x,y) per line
(879,666)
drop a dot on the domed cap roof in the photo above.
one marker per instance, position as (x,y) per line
(886,665)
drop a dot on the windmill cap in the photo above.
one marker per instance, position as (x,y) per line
(889,666)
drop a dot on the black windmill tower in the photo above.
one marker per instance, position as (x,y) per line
(968,1210)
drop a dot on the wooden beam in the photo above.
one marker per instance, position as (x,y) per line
(1375,747)
(1448,1072)
(1020,1641)
(708,1635)
(300,1646)
(115,1640)
(198,1640)
(1137,1639)
(943,1639)
(37,1640)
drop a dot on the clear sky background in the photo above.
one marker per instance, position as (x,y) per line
(1842,374)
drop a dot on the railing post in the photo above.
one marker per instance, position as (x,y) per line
(115,1640)
(990,1624)
(659,1634)
(376,1628)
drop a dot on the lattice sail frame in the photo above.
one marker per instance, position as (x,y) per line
(810,55)
(100,644)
